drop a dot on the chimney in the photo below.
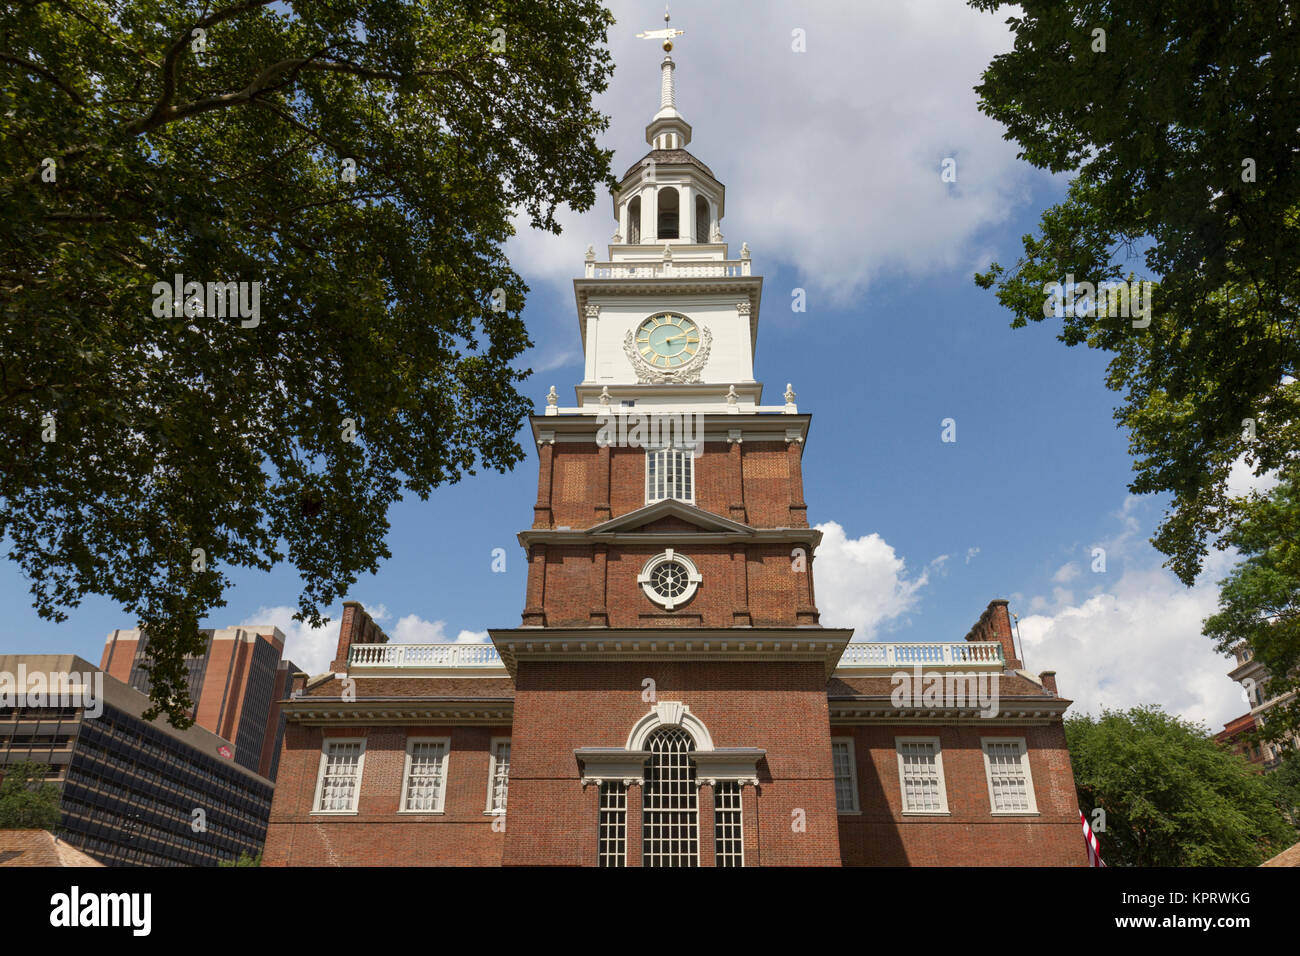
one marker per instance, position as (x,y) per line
(355,628)
(1049,682)
(298,684)
(995,625)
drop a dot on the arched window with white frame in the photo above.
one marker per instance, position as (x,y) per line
(670,818)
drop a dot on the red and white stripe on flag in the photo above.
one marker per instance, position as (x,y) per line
(1090,840)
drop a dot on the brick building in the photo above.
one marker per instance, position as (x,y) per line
(1245,734)
(132,792)
(1238,735)
(236,684)
(670,696)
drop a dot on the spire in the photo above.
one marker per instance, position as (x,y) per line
(667,130)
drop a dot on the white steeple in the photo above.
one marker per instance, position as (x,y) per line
(669,321)
(667,130)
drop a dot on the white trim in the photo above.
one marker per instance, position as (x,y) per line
(442,775)
(899,743)
(669,713)
(693,578)
(685,461)
(1032,810)
(850,745)
(492,775)
(325,745)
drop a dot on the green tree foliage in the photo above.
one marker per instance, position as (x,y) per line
(1173,796)
(364,161)
(27,802)
(1284,781)
(242,860)
(1182,136)
(1259,600)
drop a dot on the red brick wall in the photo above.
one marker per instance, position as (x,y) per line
(780,707)
(378,835)
(221,698)
(119,654)
(573,495)
(762,575)
(970,835)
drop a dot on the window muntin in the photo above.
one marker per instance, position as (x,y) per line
(424,784)
(338,784)
(920,775)
(612,843)
(1006,765)
(846,775)
(499,775)
(670,580)
(728,833)
(670,473)
(669,813)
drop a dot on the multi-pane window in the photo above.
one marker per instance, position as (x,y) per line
(846,776)
(670,473)
(920,773)
(1011,789)
(670,819)
(499,775)
(426,773)
(612,850)
(728,840)
(339,784)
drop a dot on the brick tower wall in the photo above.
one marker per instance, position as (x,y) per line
(780,707)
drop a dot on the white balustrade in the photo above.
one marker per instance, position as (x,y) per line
(668,269)
(423,655)
(945,654)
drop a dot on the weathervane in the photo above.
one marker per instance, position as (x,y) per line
(667,34)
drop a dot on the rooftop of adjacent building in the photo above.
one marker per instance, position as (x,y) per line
(75,670)
(39,848)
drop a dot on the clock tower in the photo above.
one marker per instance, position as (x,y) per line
(670,696)
(670,668)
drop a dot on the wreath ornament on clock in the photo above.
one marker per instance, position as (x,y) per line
(666,348)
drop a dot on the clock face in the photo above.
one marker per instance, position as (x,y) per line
(667,340)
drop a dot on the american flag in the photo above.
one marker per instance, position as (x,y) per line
(1090,840)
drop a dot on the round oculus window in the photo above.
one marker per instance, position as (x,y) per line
(669,579)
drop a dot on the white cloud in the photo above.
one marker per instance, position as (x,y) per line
(861,582)
(1066,572)
(1135,638)
(312,649)
(414,629)
(1242,480)
(831,157)
(970,554)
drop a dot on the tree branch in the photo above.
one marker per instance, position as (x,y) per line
(39,70)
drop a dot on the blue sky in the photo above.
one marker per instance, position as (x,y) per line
(832,159)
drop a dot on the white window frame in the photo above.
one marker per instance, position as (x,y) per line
(492,775)
(1032,811)
(899,742)
(646,580)
(406,774)
(688,455)
(320,776)
(851,744)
